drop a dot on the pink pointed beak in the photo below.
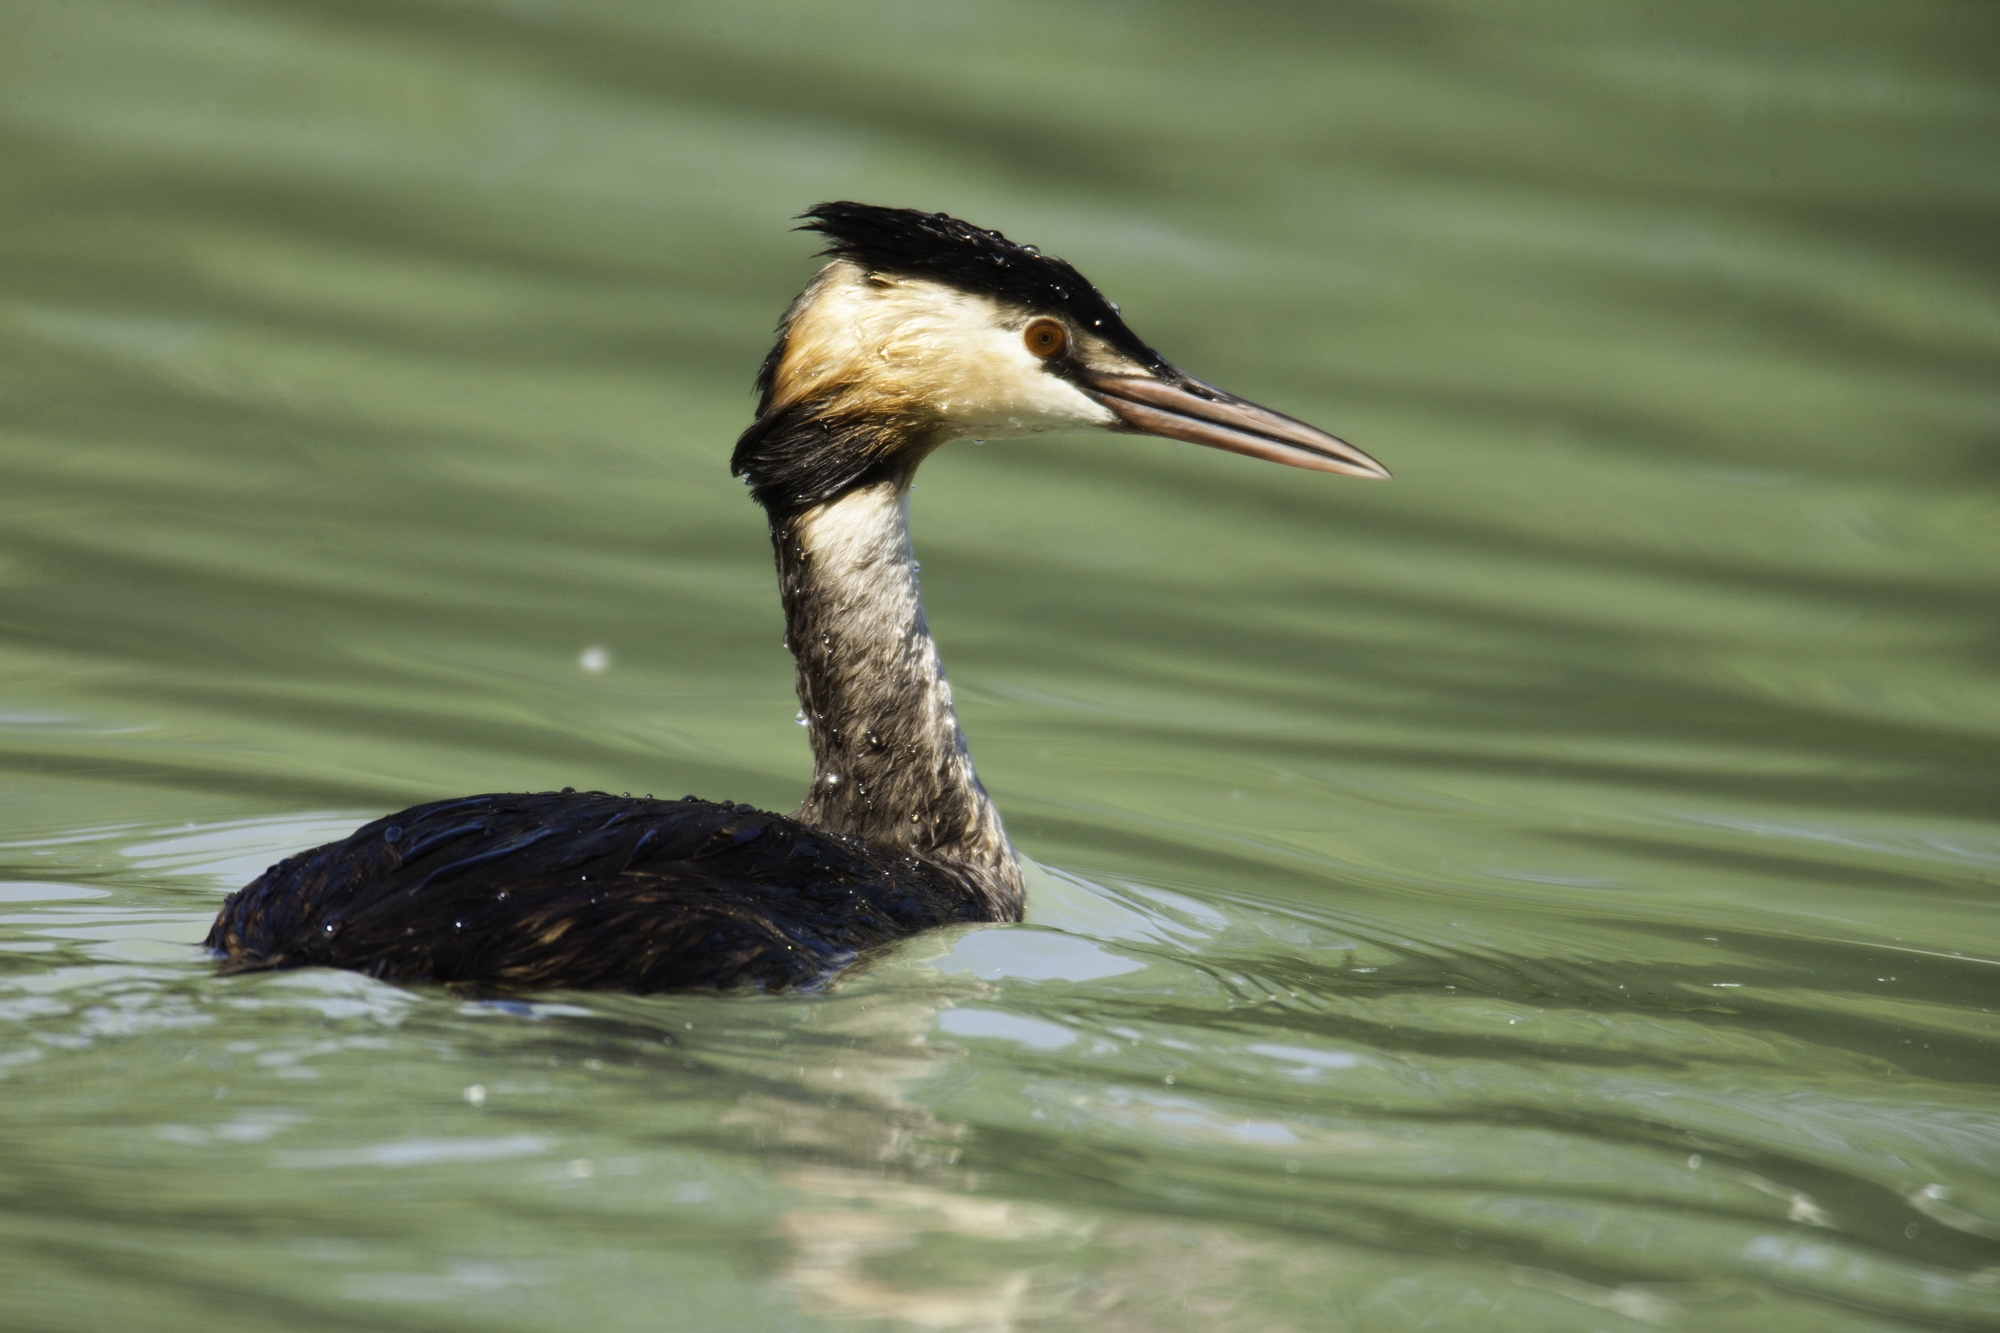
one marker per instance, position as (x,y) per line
(1186,409)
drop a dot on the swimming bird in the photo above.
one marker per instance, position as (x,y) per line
(919,330)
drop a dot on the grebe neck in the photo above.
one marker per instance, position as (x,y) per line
(890,765)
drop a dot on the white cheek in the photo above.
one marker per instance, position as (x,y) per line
(1006,391)
(1060,405)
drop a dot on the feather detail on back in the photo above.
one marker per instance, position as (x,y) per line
(584,890)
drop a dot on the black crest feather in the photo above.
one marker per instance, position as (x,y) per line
(907,242)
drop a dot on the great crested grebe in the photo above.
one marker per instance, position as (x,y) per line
(922,329)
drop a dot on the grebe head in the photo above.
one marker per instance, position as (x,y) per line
(925,329)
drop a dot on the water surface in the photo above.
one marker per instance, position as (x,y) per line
(1552,891)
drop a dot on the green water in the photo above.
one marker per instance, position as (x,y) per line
(1554,890)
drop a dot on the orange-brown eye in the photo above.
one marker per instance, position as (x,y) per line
(1045,337)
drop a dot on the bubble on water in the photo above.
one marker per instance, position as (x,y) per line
(594,659)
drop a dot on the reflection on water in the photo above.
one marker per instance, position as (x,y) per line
(1550,891)
(856,1225)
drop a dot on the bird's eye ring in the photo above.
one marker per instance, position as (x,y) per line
(1045,338)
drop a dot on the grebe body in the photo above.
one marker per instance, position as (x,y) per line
(587,891)
(922,329)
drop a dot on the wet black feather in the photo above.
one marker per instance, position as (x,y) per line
(797,457)
(907,242)
(585,891)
